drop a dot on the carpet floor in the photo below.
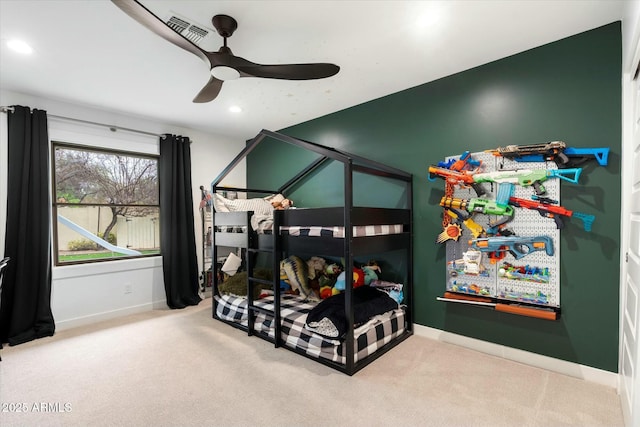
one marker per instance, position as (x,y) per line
(183,368)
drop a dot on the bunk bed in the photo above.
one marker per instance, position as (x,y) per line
(369,325)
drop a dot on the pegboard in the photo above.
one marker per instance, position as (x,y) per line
(532,279)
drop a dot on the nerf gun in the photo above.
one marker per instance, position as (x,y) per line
(498,305)
(460,178)
(453,231)
(517,246)
(552,211)
(556,151)
(478,205)
(465,162)
(528,177)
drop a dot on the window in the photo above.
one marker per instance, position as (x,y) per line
(106,204)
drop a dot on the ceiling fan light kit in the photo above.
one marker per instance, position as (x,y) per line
(225,73)
(223,64)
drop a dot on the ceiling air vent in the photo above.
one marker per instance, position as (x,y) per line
(194,33)
(178,25)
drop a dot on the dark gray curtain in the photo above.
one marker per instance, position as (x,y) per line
(177,236)
(25,308)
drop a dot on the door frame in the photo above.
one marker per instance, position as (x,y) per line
(630,86)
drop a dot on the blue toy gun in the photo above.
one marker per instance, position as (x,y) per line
(465,162)
(517,246)
(556,151)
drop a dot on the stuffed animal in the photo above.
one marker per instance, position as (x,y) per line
(358,279)
(295,270)
(315,266)
(332,270)
(282,204)
(370,272)
(326,292)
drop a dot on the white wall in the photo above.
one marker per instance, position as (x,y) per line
(84,294)
(630,29)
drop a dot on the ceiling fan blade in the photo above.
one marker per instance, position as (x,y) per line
(210,91)
(290,71)
(145,17)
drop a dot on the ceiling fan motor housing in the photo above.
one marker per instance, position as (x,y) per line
(225,25)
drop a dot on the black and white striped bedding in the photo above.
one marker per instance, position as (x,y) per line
(369,337)
(337,232)
(357,231)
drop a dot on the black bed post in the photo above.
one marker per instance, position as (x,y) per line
(214,259)
(409,288)
(348,268)
(276,258)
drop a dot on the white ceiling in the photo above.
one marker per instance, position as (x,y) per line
(91,53)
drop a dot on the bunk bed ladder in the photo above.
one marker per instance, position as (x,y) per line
(253,249)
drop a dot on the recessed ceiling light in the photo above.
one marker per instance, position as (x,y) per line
(235,109)
(19,46)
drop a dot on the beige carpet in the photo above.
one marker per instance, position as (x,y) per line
(182,368)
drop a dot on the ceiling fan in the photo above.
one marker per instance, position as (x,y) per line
(224,65)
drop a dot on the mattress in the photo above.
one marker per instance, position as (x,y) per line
(357,231)
(369,337)
(318,231)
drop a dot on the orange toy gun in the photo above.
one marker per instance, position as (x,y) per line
(522,310)
(553,211)
(460,178)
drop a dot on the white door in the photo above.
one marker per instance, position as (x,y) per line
(630,251)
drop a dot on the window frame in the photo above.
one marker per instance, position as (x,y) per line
(55,204)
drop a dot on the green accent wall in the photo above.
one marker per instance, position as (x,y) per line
(569,90)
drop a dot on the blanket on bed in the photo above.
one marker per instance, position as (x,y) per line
(262,218)
(237,284)
(328,317)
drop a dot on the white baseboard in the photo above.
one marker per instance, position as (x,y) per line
(62,325)
(587,373)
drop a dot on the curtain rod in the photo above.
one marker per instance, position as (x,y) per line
(113,128)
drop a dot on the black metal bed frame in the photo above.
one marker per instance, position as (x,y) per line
(347,215)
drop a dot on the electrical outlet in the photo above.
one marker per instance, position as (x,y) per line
(128,288)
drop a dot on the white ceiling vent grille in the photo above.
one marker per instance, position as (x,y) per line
(194,33)
(178,25)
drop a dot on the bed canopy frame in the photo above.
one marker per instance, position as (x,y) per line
(348,214)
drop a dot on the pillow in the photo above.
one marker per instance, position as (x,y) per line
(218,203)
(232,264)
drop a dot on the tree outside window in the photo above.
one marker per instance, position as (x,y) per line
(106,204)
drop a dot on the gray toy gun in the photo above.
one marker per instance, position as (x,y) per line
(498,246)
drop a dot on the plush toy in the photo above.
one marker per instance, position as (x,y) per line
(370,272)
(315,265)
(332,270)
(326,292)
(282,204)
(297,276)
(358,279)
